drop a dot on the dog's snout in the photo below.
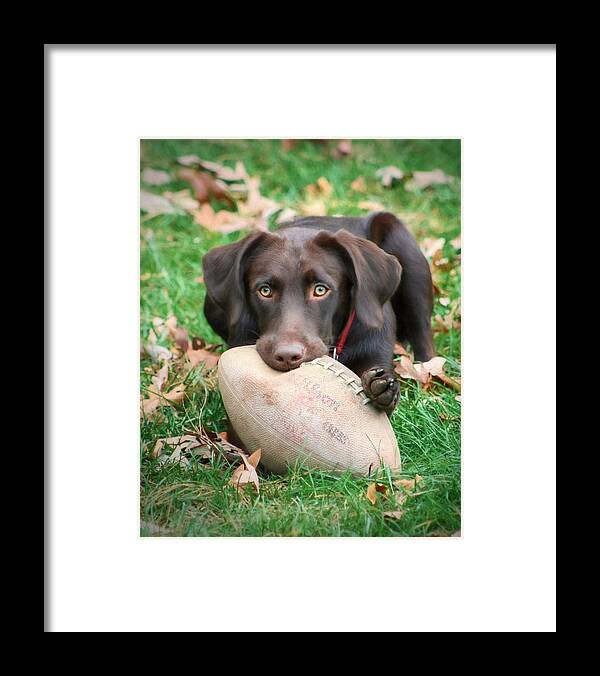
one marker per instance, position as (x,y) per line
(289,355)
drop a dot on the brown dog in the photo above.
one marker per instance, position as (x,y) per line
(317,285)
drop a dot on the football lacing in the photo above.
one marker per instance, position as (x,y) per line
(348,379)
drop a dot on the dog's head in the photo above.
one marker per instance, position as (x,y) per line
(299,286)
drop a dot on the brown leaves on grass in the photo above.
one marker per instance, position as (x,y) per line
(184,355)
(155,177)
(409,484)
(359,185)
(369,205)
(154,205)
(247,208)
(205,187)
(424,179)
(387,175)
(373,489)
(200,445)
(157,397)
(246,473)
(425,372)
(321,187)
(406,488)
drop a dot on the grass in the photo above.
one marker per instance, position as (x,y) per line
(197,500)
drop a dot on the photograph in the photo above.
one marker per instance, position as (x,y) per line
(300,337)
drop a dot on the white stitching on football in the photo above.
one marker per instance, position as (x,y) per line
(317,414)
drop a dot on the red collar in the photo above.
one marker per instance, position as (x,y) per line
(337,350)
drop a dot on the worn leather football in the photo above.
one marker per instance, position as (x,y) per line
(316,416)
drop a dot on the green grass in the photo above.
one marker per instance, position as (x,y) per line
(197,500)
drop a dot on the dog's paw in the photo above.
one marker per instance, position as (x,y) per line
(381,387)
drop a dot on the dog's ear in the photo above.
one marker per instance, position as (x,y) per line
(375,273)
(379,225)
(224,268)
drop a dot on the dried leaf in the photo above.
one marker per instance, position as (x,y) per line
(196,357)
(159,380)
(372,491)
(157,352)
(359,185)
(321,187)
(456,243)
(225,173)
(397,514)
(183,199)
(371,206)
(189,160)
(430,246)
(314,208)
(155,177)
(408,484)
(176,395)
(220,221)
(154,205)
(205,186)
(343,148)
(388,175)
(421,372)
(423,179)
(246,473)
(399,350)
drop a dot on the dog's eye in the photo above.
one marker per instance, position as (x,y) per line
(265,291)
(320,290)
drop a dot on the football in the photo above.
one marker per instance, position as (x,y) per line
(317,415)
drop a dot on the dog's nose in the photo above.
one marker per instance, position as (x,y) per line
(289,356)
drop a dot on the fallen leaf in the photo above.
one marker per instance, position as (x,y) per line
(157,352)
(176,395)
(397,514)
(246,473)
(423,372)
(388,175)
(359,185)
(343,148)
(314,208)
(430,246)
(205,186)
(183,199)
(408,484)
(225,173)
(444,301)
(423,179)
(321,187)
(159,380)
(456,243)
(154,529)
(196,357)
(371,206)
(220,221)
(189,160)
(155,177)
(199,280)
(372,491)
(154,205)
(399,350)
(146,276)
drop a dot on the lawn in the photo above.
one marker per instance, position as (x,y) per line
(196,499)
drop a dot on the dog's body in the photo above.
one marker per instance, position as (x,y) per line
(293,291)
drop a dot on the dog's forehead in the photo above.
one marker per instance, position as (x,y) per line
(292,252)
